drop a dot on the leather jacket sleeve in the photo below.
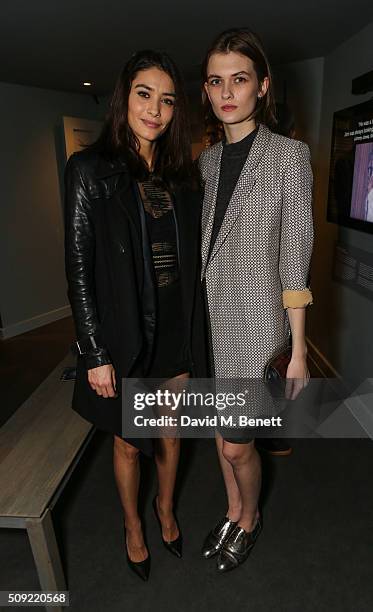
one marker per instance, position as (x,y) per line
(79,262)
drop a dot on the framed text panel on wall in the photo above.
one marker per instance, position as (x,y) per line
(79,133)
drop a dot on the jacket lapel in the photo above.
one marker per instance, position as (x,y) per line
(187,208)
(209,203)
(116,179)
(240,195)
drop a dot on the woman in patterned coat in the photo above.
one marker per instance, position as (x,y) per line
(257,236)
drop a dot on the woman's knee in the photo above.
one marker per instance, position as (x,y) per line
(125,450)
(164,446)
(237,454)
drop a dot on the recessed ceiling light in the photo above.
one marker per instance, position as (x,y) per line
(87,84)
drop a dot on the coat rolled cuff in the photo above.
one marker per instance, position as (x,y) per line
(96,358)
(297,299)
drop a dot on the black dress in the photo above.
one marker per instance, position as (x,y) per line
(170,351)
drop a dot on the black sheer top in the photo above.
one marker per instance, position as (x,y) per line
(161,227)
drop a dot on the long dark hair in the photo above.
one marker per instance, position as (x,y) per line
(245,42)
(173,161)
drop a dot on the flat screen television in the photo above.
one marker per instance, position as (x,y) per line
(350,200)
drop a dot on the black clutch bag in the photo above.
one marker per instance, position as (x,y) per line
(277,367)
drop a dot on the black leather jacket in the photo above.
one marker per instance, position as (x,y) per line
(90,179)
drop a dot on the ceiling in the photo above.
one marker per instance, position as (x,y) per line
(58,44)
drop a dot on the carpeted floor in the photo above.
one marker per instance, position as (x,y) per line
(315,552)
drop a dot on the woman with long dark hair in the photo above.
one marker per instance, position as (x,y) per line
(257,236)
(132,261)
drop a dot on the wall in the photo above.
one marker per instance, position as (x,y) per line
(338,325)
(340,319)
(303,82)
(33,288)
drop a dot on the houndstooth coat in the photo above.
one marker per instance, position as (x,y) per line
(259,264)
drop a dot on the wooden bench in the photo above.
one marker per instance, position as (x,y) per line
(40,445)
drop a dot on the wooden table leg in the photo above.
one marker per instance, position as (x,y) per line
(46,555)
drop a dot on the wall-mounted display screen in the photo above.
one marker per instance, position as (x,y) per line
(350,200)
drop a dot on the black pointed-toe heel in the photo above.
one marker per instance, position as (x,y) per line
(141,568)
(175,546)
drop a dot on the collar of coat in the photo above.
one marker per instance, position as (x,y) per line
(107,167)
(257,151)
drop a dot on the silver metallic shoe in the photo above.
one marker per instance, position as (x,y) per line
(217,537)
(237,547)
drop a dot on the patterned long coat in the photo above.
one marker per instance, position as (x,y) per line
(259,265)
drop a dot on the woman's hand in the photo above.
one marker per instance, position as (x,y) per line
(102,380)
(297,377)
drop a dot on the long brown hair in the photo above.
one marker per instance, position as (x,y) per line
(173,161)
(245,42)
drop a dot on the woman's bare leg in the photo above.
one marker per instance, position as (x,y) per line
(167,459)
(246,467)
(127,476)
(167,452)
(233,492)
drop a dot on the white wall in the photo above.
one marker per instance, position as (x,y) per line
(33,288)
